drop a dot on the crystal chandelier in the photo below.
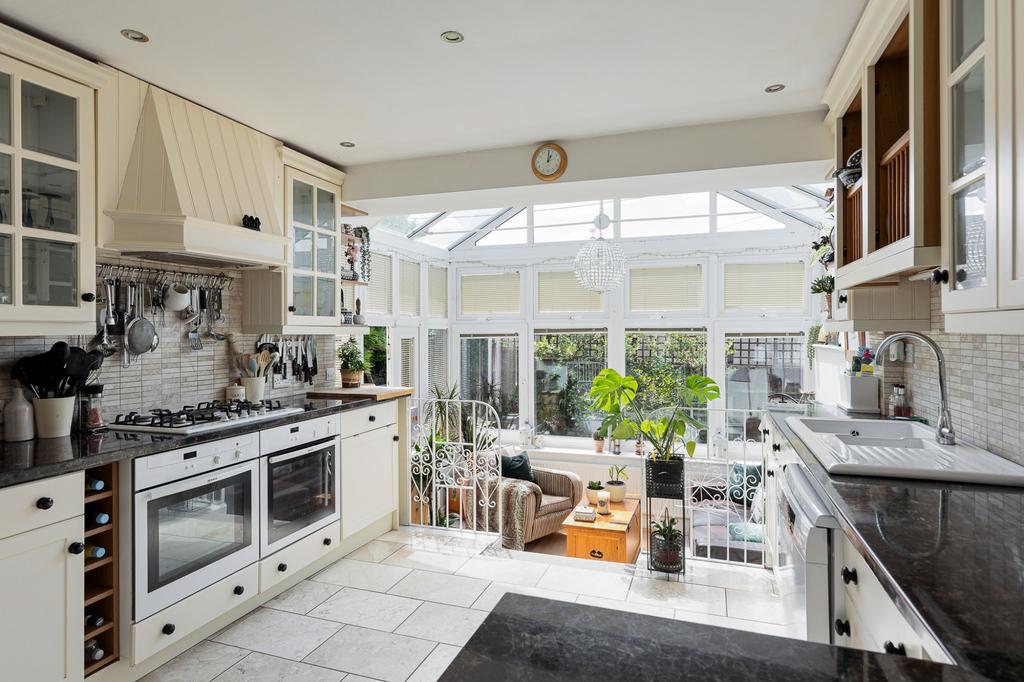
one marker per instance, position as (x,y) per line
(600,265)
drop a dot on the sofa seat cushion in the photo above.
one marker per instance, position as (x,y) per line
(552,504)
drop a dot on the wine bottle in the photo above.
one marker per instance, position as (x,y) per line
(93,652)
(94,484)
(94,620)
(101,519)
(94,552)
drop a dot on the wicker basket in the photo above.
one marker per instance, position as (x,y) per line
(666,557)
(666,479)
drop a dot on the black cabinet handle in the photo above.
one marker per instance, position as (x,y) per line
(372,418)
(849,575)
(765,432)
(897,649)
(940,276)
(291,309)
(282,567)
(770,473)
(168,629)
(843,298)
(76,547)
(842,627)
(239,590)
(597,554)
(394,438)
(327,542)
(45,503)
(776,447)
(89,298)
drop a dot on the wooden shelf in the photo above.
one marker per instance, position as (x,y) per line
(99,529)
(92,564)
(96,632)
(102,663)
(101,495)
(95,594)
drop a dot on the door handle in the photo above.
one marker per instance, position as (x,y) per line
(898,649)
(849,575)
(842,627)
(597,554)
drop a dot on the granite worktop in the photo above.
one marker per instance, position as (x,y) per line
(42,458)
(951,554)
(534,639)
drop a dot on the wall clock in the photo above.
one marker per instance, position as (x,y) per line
(549,161)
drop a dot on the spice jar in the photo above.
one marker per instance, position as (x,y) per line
(90,409)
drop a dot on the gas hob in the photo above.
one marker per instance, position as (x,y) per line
(202,417)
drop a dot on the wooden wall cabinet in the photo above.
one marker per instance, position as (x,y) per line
(887,308)
(887,223)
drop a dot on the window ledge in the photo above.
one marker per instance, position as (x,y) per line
(562,454)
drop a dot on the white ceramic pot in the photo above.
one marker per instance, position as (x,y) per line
(592,495)
(616,490)
(54,416)
(255,387)
(177,297)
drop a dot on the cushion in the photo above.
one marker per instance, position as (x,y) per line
(738,489)
(517,466)
(550,504)
(746,532)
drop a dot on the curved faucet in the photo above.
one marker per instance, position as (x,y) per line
(944,434)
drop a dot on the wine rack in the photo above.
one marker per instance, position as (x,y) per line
(101,575)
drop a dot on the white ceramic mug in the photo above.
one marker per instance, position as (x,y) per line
(177,297)
(53,416)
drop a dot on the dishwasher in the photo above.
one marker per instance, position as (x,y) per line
(803,556)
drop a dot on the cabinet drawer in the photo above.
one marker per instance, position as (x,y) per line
(368,418)
(290,560)
(151,635)
(39,503)
(290,435)
(597,546)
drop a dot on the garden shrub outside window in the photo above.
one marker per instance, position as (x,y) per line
(758,368)
(661,359)
(565,363)
(489,371)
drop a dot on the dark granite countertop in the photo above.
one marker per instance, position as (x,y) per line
(42,458)
(533,639)
(950,554)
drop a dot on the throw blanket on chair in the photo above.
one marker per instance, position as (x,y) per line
(515,495)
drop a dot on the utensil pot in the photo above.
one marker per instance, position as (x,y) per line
(255,387)
(54,416)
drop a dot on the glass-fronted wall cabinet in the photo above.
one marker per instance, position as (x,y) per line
(47,202)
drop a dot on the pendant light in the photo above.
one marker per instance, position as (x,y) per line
(600,265)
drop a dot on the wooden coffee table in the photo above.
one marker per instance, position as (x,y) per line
(615,537)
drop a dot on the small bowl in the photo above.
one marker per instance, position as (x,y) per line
(849,175)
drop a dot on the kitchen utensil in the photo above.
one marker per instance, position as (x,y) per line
(140,332)
(20,372)
(254,367)
(117,329)
(176,298)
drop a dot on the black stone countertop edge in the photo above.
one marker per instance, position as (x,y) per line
(44,458)
(540,640)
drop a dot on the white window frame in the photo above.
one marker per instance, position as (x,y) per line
(534,275)
(793,313)
(525,293)
(701,313)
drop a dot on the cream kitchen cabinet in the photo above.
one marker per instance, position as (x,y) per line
(897,307)
(47,203)
(369,478)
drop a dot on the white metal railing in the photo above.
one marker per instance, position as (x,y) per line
(455,466)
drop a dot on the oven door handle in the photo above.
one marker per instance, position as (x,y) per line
(294,454)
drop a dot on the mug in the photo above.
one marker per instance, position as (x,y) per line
(177,297)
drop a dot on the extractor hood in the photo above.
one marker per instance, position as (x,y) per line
(191,177)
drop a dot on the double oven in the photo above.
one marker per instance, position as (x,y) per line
(205,512)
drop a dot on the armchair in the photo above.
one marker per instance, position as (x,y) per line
(533,510)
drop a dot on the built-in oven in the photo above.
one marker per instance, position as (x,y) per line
(301,488)
(196,515)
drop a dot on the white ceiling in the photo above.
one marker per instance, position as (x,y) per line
(316,72)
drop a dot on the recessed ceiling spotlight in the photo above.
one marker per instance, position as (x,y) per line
(134,36)
(775,87)
(347,145)
(452,37)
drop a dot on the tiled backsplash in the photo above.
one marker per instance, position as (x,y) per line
(174,374)
(984,374)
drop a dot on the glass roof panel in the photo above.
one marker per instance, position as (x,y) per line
(727,205)
(568,214)
(814,215)
(670,205)
(405,224)
(668,227)
(441,240)
(818,189)
(565,233)
(747,222)
(516,222)
(464,221)
(783,197)
(503,237)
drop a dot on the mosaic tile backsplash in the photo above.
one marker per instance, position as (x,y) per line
(174,375)
(984,375)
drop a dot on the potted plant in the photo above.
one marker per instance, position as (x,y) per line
(351,364)
(593,488)
(825,285)
(616,484)
(666,545)
(598,441)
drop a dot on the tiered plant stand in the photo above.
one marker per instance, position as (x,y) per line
(665,480)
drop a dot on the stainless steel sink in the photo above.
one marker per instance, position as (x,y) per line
(867,447)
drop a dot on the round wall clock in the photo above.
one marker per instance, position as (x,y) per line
(549,161)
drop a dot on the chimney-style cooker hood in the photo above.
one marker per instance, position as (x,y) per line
(191,177)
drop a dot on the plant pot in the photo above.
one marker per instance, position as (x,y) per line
(53,416)
(666,556)
(666,478)
(592,495)
(255,388)
(351,378)
(599,445)
(616,489)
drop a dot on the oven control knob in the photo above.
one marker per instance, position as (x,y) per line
(216,459)
(239,590)
(327,542)
(168,629)
(282,567)
(238,454)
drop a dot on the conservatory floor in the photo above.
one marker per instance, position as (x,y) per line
(400,607)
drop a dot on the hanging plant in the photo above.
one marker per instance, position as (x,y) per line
(363,234)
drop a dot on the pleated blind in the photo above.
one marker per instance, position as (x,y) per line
(661,289)
(407,358)
(437,292)
(378,295)
(560,292)
(761,286)
(437,359)
(483,294)
(408,287)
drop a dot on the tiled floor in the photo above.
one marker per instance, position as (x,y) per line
(398,609)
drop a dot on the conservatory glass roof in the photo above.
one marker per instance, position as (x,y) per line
(694,213)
